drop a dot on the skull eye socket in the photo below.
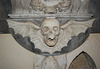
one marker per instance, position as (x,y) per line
(55,28)
(45,29)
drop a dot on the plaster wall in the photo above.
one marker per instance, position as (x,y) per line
(12,55)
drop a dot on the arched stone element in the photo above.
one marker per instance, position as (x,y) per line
(83,61)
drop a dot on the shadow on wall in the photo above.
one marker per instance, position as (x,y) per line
(5,9)
(83,61)
(95,9)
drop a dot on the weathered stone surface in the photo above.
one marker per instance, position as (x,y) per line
(51,36)
(69,36)
(51,8)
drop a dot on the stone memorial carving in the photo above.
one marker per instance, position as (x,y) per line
(70,9)
(51,33)
(53,38)
(50,5)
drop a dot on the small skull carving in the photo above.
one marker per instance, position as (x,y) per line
(50,28)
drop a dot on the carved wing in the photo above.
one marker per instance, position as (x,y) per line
(73,28)
(23,28)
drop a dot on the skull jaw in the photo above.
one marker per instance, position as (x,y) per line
(51,42)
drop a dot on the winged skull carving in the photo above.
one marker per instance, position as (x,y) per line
(50,36)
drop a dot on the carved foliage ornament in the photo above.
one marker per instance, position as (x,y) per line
(50,6)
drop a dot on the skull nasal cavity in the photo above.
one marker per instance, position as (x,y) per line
(51,36)
(51,32)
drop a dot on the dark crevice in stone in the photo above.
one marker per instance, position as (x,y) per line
(91,62)
(83,60)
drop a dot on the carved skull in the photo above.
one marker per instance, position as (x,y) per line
(50,28)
